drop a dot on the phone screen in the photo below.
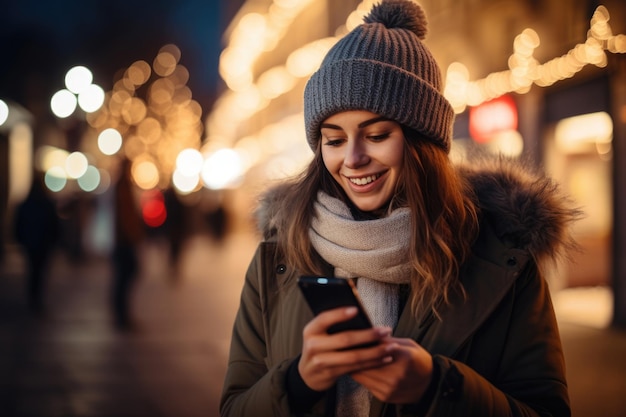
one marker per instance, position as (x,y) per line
(323,293)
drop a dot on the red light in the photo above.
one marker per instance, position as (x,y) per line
(492,116)
(153,208)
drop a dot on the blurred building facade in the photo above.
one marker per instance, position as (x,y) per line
(557,67)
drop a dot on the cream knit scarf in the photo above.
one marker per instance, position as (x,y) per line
(375,252)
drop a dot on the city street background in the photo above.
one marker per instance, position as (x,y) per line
(71,362)
(219,85)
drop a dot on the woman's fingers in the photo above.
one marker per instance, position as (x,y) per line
(325,356)
(320,369)
(341,340)
(404,379)
(324,320)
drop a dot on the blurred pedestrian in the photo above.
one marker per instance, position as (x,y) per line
(129,233)
(217,219)
(175,231)
(37,231)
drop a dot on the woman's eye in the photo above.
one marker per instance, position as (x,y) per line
(333,142)
(377,138)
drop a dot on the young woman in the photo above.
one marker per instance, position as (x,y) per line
(447,260)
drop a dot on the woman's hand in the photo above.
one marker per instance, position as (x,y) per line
(326,357)
(403,380)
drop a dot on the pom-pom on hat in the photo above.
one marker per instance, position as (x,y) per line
(382,66)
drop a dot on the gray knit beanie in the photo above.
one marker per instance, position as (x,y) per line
(382,66)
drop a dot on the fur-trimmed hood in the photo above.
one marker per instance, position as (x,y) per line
(527,209)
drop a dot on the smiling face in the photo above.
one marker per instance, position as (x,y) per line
(363,152)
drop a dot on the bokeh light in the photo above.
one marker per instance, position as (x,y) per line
(47,157)
(90,180)
(138,73)
(222,169)
(91,98)
(76,165)
(78,78)
(109,141)
(145,174)
(55,179)
(507,142)
(189,162)
(185,183)
(4,112)
(153,208)
(63,103)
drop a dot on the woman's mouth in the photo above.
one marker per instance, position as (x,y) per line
(365,180)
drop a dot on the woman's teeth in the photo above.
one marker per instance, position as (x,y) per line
(364,180)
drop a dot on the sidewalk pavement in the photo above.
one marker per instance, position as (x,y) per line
(73,363)
(595,353)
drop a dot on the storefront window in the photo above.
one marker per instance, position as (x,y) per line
(578,155)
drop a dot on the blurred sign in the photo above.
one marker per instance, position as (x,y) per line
(491,117)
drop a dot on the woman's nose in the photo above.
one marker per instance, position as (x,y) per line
(356,154)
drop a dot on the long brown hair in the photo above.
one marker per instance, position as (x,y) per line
(444,221)
(443,218)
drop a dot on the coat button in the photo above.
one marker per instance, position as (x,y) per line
(452,384)
(281,268)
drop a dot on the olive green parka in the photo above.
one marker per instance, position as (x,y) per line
(498,347)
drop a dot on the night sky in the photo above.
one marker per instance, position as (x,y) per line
(41,39)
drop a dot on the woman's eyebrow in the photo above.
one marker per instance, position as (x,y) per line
(372,121)
(329,126)
(360,126)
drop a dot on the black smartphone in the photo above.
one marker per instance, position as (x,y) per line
(324,293)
